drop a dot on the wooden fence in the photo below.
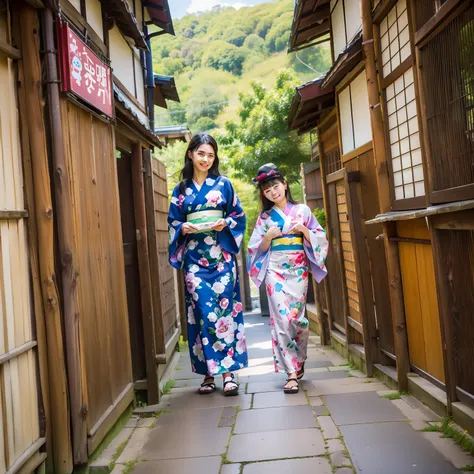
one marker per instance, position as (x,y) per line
(103,346)
(165,310)
(20,433)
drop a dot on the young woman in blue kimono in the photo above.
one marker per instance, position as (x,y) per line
(286,243)
(206,226)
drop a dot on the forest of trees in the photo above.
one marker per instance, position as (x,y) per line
(216,55)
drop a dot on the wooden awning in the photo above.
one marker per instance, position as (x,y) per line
(165,89)
(311,24)
(345,62)
(160,14)
(124,18)
(309,102)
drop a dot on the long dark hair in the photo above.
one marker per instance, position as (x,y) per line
(266,204)
(188,170)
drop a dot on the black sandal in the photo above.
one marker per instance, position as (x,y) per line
(294,389)
(207,383)
(234,391)
(300,373)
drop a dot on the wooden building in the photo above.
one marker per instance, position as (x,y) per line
(394,116)
(88,312)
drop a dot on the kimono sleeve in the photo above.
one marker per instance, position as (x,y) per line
(257,261)
(176,219)
(317,247)
(232,235)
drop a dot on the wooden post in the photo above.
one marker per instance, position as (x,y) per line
(361,256)
(324,319)
(67,257)
(144,269)
(443,275)
(41,244)
(383,185)
(398,309)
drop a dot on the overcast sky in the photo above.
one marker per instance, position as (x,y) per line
(180,8)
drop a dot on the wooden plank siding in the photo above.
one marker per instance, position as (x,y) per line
(102,306)
(167,325)
(421,303)
(19,389)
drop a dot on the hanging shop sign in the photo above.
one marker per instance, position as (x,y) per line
(83,73)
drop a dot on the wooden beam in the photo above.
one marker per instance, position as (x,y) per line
(357,152)
(397,72)
(9,51)
(38,198)
(7,356)
(35,3)
(145,276)
(397,304)
(454,221)
(23,459)
(383,9)
(10,214)
(311,18)
(434,25)
(336,176)
(364,280)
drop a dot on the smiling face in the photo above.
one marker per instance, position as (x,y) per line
(275,191)
(203,157)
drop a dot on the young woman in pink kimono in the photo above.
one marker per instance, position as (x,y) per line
(286,243)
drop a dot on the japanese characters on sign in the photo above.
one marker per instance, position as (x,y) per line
(83,73)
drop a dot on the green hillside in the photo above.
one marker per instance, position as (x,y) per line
(216,55)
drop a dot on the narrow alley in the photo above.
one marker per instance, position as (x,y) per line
(342,422)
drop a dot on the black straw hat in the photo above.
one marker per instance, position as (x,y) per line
(266,172)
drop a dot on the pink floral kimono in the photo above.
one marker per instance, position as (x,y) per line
(284,268)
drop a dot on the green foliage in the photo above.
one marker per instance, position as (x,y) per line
(204,124)
(320,216)
(207,101)
(316,57)
(225,56)
(261,135)
(173,158)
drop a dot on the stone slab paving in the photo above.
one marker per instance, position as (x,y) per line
(276,444)
(363,407)
(338,423)
(274,419)
(393,448)
(300,466)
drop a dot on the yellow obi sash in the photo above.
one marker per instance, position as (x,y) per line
(204,220)
(288,242)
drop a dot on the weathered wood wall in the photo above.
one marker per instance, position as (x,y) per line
(20,430)
(102,305)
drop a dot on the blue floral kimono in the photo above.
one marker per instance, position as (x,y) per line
(215,321)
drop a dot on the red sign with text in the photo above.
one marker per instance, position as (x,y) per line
(84,73)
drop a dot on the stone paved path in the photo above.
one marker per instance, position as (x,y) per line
(341,422)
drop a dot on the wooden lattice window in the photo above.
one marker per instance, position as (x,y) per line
(400,109)
(395,38)
(348,254)
(404,136)
(333,160)
(447,93)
